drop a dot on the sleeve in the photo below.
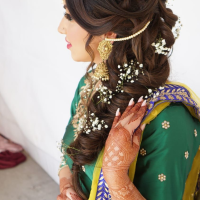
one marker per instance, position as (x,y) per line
(166,154)
(69,131)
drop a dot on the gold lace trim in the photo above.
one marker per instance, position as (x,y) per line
(86,92)
(175,94)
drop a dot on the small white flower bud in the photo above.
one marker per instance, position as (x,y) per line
(136,72)
(99,127)
(149,91)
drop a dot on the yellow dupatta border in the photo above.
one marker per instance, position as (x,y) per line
(195,168)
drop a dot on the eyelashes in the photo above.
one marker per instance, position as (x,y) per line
(68,16)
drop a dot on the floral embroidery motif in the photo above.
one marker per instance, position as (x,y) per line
(195,133)
(186,154)
(78,121)
(162,177)
(165,125)
(143,152)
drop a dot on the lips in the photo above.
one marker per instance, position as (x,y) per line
(67,41)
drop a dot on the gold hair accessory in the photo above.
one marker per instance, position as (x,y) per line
(105,48)
(131,36)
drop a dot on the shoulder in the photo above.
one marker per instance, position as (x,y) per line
(84,81)
(174,112)
(173,123)
(81,82)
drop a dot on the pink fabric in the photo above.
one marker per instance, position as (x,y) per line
(8,145)
(8,159)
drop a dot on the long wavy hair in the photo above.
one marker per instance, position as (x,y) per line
(123,17)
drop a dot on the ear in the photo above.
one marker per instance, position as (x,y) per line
(111,35)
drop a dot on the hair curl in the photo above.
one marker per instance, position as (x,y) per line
(123,17)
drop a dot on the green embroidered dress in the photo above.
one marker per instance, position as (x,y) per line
(168,162)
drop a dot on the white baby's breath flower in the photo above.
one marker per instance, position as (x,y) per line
(149,91)
(128,71)
(161,88)
(136,72)
(99,127)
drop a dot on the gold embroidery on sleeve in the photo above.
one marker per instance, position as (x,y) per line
(165,125)
(143,152)
(86,93)
(195,133)
(186,154)
(62,147)
(162,177)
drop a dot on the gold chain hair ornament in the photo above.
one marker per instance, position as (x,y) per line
(105,48)
(131,36)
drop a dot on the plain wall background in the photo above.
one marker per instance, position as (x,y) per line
(38,77)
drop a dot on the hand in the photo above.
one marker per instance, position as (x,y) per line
(123,142)
(66,187)
(65,184)
(68,193)
(72,195)
(121,148)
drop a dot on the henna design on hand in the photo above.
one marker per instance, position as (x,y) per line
(60,197)
(65,183)
(126,112)
(121,148)
(139,114)
(116,121)
(74,196)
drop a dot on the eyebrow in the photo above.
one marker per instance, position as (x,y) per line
(65,6)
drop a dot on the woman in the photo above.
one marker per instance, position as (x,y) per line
(104,154)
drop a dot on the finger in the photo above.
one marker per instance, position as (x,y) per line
(129,112)
(59,197)
(140,114)
(74,196)
(117,117)
(128,108)
(137,107)
(136,119)
(137,135)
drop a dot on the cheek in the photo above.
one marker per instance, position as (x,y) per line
(78,40)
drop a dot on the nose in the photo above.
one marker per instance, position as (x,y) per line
(61,27)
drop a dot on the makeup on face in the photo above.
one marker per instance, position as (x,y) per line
(69,18)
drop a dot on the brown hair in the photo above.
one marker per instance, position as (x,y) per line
(123,17)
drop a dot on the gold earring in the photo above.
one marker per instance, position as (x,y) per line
(101,71)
